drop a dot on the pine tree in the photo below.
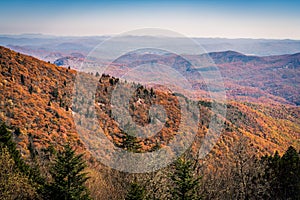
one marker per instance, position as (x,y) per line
(33,174)
(129,142)
(7,141)
(136,192)
(272,171)
(185,185)
(290,174)
(22,79)
(13,183)
(283,173)
(68,176)
(30,89)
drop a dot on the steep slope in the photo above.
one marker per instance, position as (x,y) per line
(35,97)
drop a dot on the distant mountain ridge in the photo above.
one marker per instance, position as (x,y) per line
(267,79)
(231,56)
(33,43)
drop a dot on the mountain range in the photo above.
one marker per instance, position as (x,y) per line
(36,99)
(41,46)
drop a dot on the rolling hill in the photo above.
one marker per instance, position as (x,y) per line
(36,99)
(269,79)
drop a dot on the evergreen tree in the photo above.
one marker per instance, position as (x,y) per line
(129,142)
(33,174)
(6,140)
(30,89)
(136,192)
(152,92)
(272,171)
(68,176)
(13,183)
(283,173)
(185,185)
(55,93)
(22,79)
(290,174)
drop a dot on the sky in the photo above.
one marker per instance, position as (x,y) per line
(203,18)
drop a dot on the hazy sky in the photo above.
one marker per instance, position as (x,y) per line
(203,18)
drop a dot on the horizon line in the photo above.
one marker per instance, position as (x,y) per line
(112,35)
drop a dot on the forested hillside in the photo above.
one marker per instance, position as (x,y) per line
(37,107)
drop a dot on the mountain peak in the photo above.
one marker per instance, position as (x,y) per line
(228,53)
(231,56)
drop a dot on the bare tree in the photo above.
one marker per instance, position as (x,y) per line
(247,174)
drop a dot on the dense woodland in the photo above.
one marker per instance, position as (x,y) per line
(43,157)
(66,176)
